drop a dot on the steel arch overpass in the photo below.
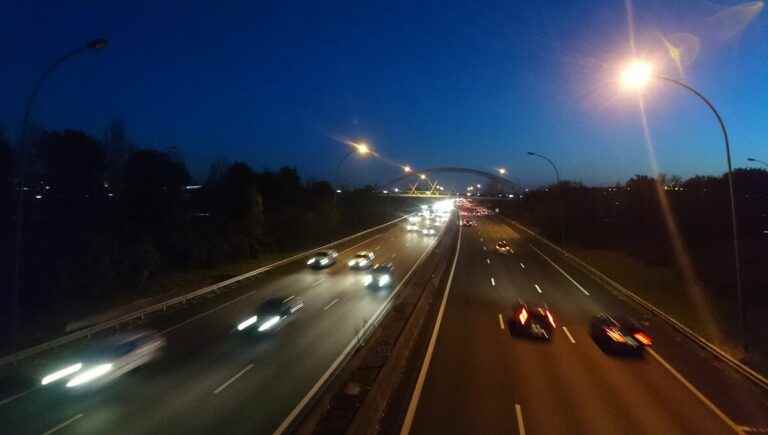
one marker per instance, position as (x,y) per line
(499,181)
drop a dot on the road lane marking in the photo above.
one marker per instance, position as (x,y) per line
(333,302)
(487,260)
(316,283)
(484,249)
(16,396)
(394,255)
(501,322)
(377,248)
(493,282)
(411,413)
(481,239)
(232,379)
(63,425)
(355,342)
(522,265)
(568,333)
(537,288)
(561,271)
(736,428)
(520,424)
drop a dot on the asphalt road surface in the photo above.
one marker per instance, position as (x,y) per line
(483,380)
(214,380)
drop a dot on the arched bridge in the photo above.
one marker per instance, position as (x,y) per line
(490,176)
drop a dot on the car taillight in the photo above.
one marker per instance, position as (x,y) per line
(615,335)
(551,319)
(643,338)
(523,316)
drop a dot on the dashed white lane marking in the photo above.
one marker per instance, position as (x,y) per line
(561,270)
(63,425)
(487,260)
(568,333)
(522,265)
(377,248)
(538,289)
(333,302)
(501,322)
(232,379)
(16,396)
(394,255)
(520,424)
(316,283)
(484,249)
(696,392)
(481,239)
(493,282)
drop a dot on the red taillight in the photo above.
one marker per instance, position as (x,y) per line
(523,316)
(643,338)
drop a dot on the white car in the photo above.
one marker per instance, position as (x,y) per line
(323,259)
(361,260)
(108,360)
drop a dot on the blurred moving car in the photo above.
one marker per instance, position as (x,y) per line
(503,247)
(380,276)
(428,231)
(362,260)
(620,335)
(272,314)
(467,222)
(535,322)
(323,259)
(109,359)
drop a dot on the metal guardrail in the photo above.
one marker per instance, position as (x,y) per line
(752,375)
(87,332)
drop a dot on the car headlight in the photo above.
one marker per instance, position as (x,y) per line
(367,279)
(324,261)
(63,373)
(90,374)
(362,263)
(384,280)
(248,322)
(351,263)
(311,260)
(272,321)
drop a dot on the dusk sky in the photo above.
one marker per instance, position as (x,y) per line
(473,84)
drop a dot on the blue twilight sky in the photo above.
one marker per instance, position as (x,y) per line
(427,83)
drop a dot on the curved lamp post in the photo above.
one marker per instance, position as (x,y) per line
(758,161)
(562,199)
(637,75)
(361,149)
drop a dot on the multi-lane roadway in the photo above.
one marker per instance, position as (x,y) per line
(212,379)
(477,378)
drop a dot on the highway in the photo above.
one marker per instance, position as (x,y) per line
(214,380)
(477,378)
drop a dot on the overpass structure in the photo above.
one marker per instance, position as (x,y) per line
(496,183)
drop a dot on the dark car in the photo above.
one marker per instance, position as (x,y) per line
(323,259)
(272,315)
(380,276)
(534,322)
(621,335)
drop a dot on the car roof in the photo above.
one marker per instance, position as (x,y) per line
(364,253)
(385,266)
(272,304)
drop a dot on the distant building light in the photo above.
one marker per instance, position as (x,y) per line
(110,195)
(47,187)
(38,196)
(338,190)
(193,187)
(396,189)
(386,192)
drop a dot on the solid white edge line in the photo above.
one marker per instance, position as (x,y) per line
(493,282)
(315,388)
(232,379)
(568,333)
(63,425)
(333,302)
(736,428)
(501,322)
(538,289)
(411,413)
(520,424)
(560,270)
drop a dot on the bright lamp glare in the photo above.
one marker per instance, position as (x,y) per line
(636,75)
(89,375)
(248,322)
(63,373)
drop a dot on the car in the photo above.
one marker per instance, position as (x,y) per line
(323,259)
(534,322)
(271,315)
(362,260)
(108,359)
(380,276)
(411,227)
(428,231)
(619,334)
(504,247)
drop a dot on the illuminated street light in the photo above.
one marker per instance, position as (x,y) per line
(635,76)
(407,169)
(422,176)
(361,148)
(502,171)
(479,186)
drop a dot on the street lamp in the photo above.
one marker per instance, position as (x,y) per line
(422,176)
(758,161)
(502,171)
(95,44)
(635,76)
(362,149)
(562,199)
(407,169)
